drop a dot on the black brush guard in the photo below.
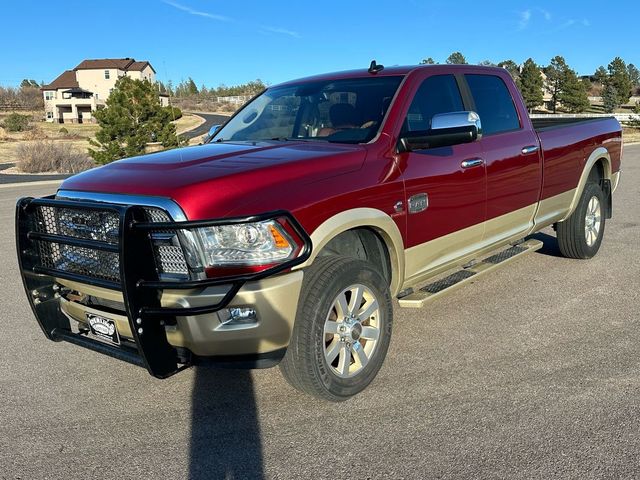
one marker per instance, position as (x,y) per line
(139,280)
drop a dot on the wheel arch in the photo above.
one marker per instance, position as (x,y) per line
(599,159)
(370,219)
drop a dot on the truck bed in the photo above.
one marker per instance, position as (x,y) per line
(550,123)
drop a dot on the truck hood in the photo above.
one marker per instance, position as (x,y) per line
(214,179)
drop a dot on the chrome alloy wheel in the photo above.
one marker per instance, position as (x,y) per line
(352,330)
(592,221)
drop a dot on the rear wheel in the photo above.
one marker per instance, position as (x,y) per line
(580,235)
(342,330)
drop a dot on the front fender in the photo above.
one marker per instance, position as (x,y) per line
(371,218)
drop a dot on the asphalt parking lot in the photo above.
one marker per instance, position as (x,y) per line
(531,372)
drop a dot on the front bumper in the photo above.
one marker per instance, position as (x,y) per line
(167,325)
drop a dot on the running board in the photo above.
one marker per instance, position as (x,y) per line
(445,285)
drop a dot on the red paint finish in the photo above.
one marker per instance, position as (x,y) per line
(567,149)
(316,180)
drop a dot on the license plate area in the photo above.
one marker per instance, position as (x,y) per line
(103,328)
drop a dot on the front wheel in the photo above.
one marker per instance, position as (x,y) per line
(342,329)
(580,235)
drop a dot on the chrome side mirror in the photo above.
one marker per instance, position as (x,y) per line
(457,120)
(213,130)
(447,129)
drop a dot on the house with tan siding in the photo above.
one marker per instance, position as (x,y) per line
(77,93)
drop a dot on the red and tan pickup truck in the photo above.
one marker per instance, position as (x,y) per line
(288,235)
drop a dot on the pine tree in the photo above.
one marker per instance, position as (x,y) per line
(634,74)
(428,61)
(573,93)
(456,58)
(133,117)
(619,79)
(511,67)
(531,84)
(192,89)
(601,75)
(610,98)
(555,72)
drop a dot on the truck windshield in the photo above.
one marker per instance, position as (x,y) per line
(341,111)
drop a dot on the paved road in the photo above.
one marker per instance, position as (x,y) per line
(532,372)
(14,178)
(211,119)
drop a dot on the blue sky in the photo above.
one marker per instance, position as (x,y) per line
(231,42)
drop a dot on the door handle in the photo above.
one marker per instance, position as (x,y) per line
(529,149)
(472,162)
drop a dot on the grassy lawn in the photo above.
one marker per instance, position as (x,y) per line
(631,135)
(187,122)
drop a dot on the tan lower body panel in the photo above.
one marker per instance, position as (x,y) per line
(275,300)
(437,256)
(434,257)
(552,209)
(615,181)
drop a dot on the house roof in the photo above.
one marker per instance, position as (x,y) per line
(77,90)
(139,66)
(119,63)
(124,64)
(66,80)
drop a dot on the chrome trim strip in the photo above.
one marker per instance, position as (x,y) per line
(166,204)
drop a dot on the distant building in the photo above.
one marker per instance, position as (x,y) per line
(75,94)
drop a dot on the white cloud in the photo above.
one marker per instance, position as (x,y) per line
(282,31)
(525,17)
(198,13)
(545,13)
(575,22)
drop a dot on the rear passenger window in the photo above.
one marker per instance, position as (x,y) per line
(493,103)
(437,94)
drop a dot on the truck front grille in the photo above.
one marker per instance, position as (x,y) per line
(101,226)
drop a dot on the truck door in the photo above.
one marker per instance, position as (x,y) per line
(444,187)
(510,150)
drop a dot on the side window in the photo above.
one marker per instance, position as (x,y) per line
(493,103)
(437,94)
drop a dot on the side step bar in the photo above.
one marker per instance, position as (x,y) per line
(445,285)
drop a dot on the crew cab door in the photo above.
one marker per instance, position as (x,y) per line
(511,152)
(445,187)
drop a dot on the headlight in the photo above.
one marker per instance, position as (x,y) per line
(245,244)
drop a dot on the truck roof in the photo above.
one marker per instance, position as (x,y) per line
(387,72)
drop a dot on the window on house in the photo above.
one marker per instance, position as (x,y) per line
(49,95)
(49,115)
(106,75)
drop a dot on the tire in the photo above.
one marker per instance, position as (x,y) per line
(311,363)
(580,235)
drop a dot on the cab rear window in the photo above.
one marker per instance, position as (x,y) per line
(493,103)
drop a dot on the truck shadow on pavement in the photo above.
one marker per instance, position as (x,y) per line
(550,246)
(225,430)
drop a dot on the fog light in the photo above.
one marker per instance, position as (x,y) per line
(238,316)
